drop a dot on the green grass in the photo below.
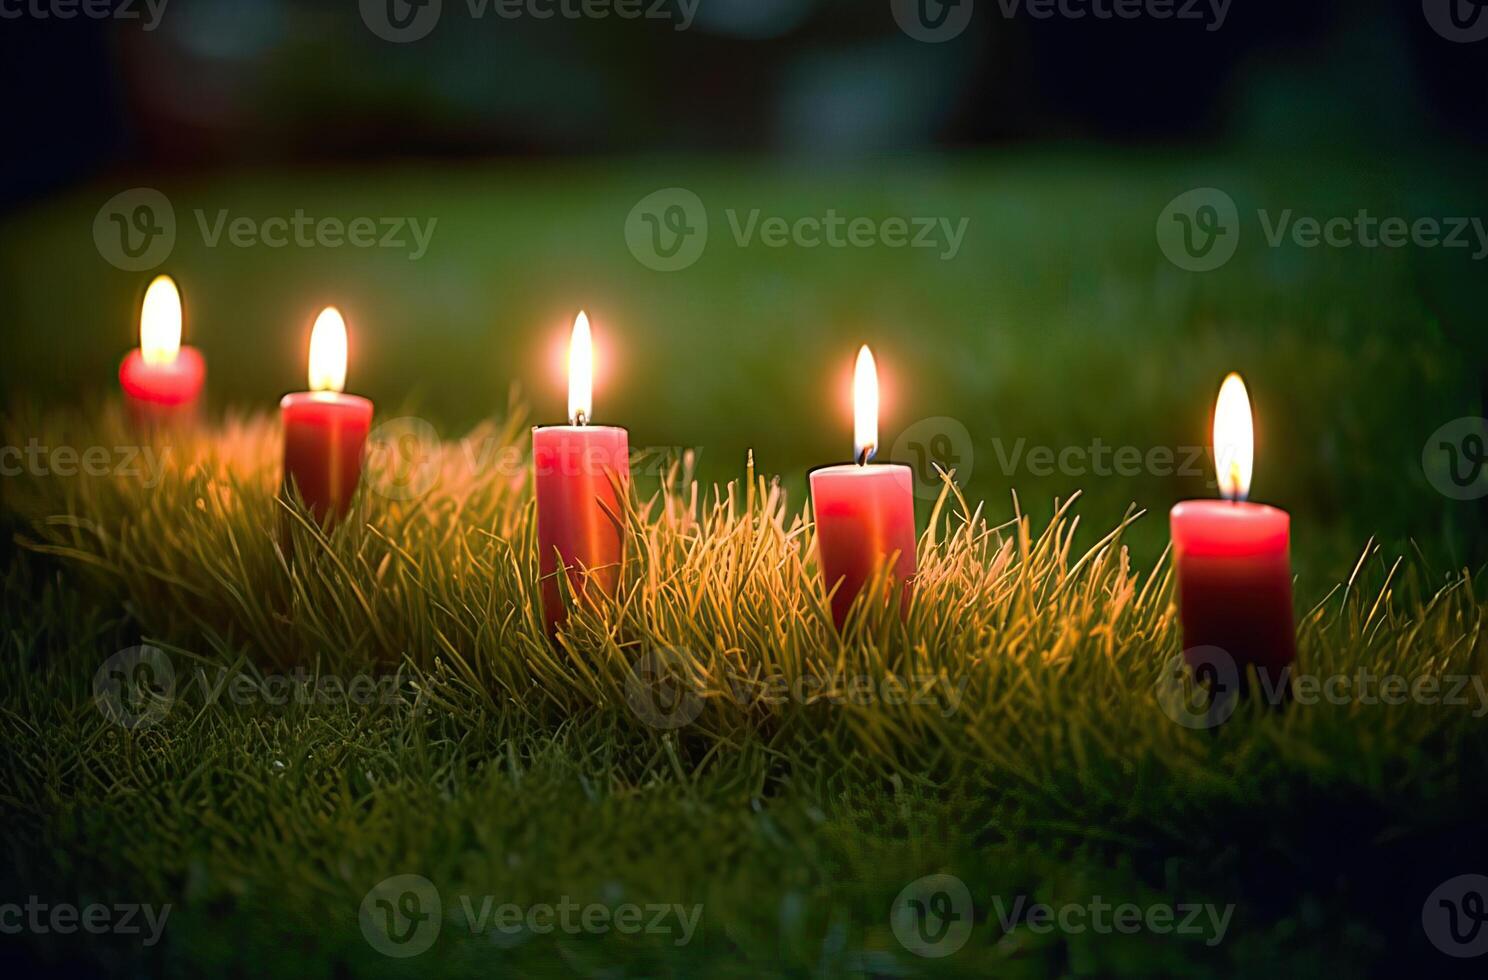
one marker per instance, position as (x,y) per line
(1045,767)
(511,768)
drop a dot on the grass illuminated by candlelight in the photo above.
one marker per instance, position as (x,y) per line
(1008,732)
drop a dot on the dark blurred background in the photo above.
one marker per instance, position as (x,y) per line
(235,83)
(1058,140)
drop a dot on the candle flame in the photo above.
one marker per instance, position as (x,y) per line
(865,407)
(580,372)
(328,351)
(160,322)
(1234,439)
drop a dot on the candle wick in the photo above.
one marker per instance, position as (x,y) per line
(865,454)
(580,419)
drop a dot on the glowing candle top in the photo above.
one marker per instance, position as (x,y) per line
(328,352)
(160,322)
(1234,439)
(580,372)
(865,407)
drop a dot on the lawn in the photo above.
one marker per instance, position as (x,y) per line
(1012,732)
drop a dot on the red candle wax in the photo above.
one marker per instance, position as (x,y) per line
(864,518)
(162,380)
(325,433)
(1234,572)
(161,393)
(578,510)
(1233,559)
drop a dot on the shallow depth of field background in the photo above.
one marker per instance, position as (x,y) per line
(1058,323)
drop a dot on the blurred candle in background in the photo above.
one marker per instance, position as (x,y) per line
(325,430)
(580,518)
(162,380)
(1233,558)
(864,513)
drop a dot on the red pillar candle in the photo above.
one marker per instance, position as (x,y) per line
(580,517)
(864,513)
(1233,558)
(162,380)
(325,430)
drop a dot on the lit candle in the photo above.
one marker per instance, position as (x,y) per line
(864,513)
(1232,558)
(324,429)
(580,518)
(162,380)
